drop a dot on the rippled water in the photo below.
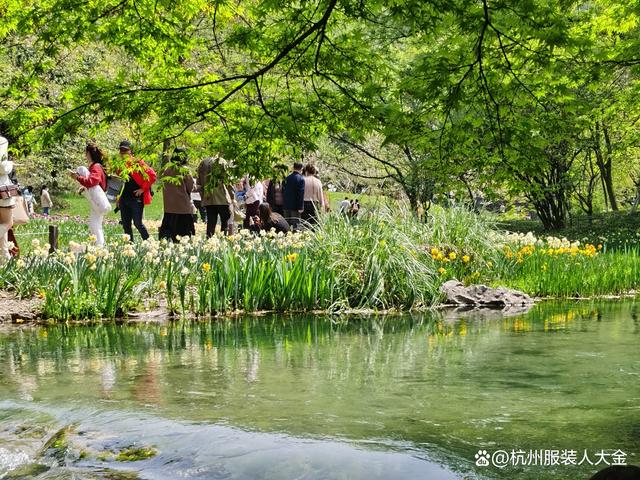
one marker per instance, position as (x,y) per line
(282,397)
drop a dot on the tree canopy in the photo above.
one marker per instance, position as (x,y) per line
(515,95)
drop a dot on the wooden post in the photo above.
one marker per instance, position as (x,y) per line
(53,238)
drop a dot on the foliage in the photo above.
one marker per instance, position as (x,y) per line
(383,260)
(501,96)
(560,268)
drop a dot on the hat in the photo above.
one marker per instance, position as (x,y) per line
(125,145)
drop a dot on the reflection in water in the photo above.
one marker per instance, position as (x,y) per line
(436,386)
(145,385)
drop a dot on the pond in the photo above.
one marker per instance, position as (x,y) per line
(282,397)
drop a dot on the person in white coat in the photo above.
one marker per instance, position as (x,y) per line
(8,193)
(94,185)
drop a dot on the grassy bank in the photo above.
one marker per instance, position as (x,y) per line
(382,260)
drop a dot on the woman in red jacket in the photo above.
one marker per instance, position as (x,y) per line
(136,192)
(96,178)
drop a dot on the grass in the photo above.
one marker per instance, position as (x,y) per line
(74,205)
(560,268)
(384,259)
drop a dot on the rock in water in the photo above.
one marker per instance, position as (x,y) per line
(482,296)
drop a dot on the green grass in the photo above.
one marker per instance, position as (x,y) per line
(70,214)
(384,259)
(76,205)
(366,201)
(72,204)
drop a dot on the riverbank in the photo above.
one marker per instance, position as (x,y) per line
(18,310)
(378,262)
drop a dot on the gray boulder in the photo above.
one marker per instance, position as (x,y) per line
(482,296)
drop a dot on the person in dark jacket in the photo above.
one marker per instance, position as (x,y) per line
(136,191)
(274,196)
(293,195)
(269,219)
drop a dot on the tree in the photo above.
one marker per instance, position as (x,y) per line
(494,92)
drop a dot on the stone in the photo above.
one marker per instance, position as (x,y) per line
(483,296)
(23,317)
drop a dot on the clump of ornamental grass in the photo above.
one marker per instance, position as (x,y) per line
(242,272)
(375,263)
(461,230)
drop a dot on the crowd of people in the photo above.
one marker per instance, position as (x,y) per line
(208,194)
(283,205)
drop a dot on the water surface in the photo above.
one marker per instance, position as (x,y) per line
(281,397)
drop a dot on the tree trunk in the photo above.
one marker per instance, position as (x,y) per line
(604,161)
(608,182)
(550,201)
(609,167)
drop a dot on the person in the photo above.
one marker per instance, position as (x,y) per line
(293,195)
(93,183)
(313,197)
(27,194)
(176,196)
(8,193)
(196,199)
(253,199)
(327,203)
(136,191)
(345,206)
(240,190)
(274,196)
(267,219)
(216,194)
(354,209)
(45,201)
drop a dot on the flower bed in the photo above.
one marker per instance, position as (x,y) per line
(376,262)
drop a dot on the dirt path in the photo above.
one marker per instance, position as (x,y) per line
(15,310)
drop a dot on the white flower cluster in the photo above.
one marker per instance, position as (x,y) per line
(524,239)
(186,254)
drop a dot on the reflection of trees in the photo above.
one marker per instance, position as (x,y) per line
(301,340)
(412,378)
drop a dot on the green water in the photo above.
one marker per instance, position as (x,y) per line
(317,398)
